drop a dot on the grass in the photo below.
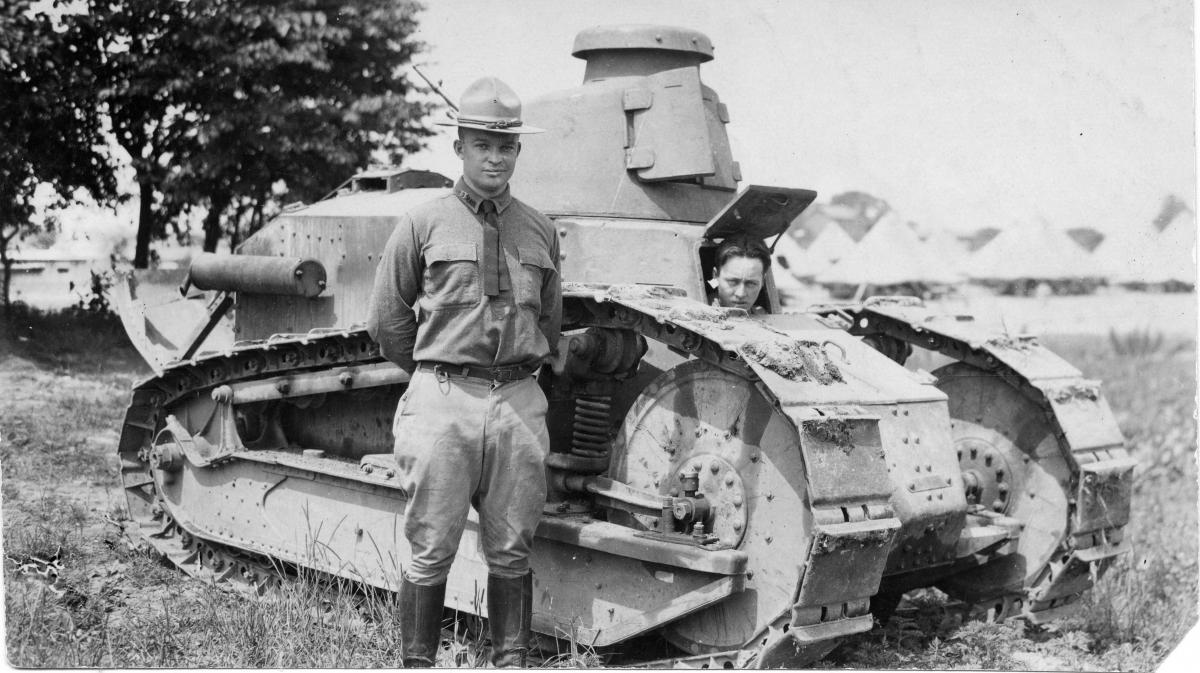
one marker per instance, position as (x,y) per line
(77,594)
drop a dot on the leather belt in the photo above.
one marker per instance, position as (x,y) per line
(504,374)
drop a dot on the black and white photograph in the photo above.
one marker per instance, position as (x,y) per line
(372,334)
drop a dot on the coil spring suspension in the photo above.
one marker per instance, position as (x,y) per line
(590,438)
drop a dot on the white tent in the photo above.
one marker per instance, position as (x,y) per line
(1143,255)
(1177,251)
(1031,252)
(890,254)
(831,245)
(951,252)
(1126,254)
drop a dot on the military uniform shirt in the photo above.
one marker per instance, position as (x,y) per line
(428,303)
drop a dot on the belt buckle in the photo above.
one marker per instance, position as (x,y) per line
(439,373)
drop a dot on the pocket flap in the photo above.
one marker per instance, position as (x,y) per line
(451,252)
(535,256)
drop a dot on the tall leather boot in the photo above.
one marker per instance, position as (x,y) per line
(510,612)
(420,623)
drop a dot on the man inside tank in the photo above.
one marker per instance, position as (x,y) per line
(740,266)
(467,299)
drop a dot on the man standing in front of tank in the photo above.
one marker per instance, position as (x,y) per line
(467,299)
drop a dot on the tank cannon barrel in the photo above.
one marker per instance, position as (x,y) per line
(257,274)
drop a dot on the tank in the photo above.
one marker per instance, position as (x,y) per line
(751,487)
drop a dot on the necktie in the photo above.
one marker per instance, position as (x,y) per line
(495,276)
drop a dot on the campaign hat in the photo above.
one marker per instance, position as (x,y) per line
(490,105)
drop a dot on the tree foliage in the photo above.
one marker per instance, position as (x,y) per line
(232,105)
(304,92)
(225,106)
(51,132)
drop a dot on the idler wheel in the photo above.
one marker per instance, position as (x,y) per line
(1012,464)
(698,416)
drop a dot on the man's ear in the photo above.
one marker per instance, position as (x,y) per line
(458,148)
(518,148)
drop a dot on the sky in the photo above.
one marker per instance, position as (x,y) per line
(959,114)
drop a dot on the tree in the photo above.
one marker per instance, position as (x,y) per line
(307,91)
(219,103)
(147,61)
(51,131)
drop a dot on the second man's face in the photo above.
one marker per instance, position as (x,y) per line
(488,159)
(739,281)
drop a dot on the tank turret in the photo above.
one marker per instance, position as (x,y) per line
(642,137)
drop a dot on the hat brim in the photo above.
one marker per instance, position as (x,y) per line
(511,130)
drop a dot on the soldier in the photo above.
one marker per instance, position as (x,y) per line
(467,298)
(741,264)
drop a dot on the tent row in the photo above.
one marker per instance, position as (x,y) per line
(893,258)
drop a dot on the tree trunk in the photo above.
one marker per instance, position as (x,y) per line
(7,262)
(141,255)
(212,221)
(7,274)
(235,236)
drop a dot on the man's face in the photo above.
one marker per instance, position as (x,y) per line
(739,281)
(488,159)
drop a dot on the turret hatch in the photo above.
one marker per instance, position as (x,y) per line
(760,212)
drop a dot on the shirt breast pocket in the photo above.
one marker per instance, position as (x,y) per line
(451,276)
(535,264)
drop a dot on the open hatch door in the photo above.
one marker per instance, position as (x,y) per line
(759,212)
